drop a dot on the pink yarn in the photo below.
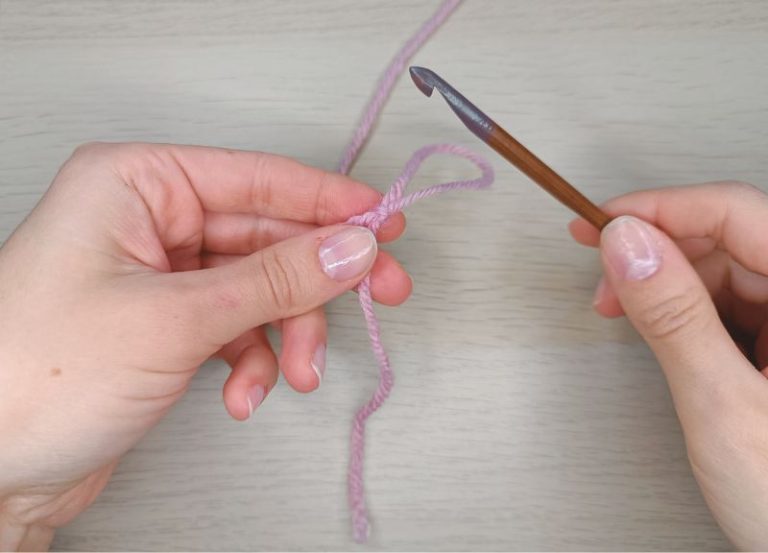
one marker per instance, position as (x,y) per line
(389,79)
(393,202)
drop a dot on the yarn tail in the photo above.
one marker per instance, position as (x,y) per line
(360,526)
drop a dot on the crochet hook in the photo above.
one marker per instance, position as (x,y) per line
(487,130)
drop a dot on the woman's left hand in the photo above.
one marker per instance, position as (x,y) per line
(140,262)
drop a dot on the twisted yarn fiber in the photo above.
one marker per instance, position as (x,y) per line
(393,202)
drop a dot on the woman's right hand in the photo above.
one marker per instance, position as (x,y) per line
(688,266)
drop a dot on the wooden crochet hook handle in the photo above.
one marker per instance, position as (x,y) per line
(539,172)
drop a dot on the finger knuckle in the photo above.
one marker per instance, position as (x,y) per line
(86,159)
(677,314)
(87,149)
(262,182)
(279,277)
(88,154)
(98,153)
(90,151)
(740,189)
(321,199)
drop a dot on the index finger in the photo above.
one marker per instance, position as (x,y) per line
(238,181)
(733,215)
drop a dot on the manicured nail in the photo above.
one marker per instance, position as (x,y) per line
(348,253)
(254,397)
(318,363)
(599,292)
(630,248)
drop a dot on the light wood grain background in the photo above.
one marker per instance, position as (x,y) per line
(520,420)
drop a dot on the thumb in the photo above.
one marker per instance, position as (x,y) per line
(668,304)
(286,279)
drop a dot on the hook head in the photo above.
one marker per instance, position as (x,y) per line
(424,79)
(474,119)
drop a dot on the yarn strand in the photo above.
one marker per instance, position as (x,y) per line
(393,202)
(388,80)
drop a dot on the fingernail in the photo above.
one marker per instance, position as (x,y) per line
(599,292)
(348,253)
(630,249)
(254,397)
(318,363)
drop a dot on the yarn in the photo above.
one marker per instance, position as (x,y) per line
(392,202)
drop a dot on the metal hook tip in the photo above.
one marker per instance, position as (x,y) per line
(423,79)
(475,120)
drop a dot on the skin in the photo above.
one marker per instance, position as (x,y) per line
(142,261)
(704,313)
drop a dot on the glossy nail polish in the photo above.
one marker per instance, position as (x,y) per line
(318,363)
(254,397)
(630,248)
(348,254)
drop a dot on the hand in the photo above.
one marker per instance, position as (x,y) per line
(139,263)
(697,291)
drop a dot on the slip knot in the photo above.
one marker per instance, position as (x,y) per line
(373,219)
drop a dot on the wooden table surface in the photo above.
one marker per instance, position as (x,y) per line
(519,420)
